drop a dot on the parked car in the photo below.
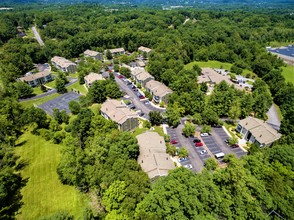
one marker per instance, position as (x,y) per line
(203,152)
(182,159)
(129,82)
(134,87)
(226,141)
(135,90)
(196,140)
(146,102)
(235,146)
(141,97)
(188,166)
(120,76)
(217,126)
(141,114)
(198,144)
(132,106)
(173,141)
(204,134)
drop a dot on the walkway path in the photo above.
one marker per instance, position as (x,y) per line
(37,36)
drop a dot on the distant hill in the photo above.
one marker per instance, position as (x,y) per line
(155,2)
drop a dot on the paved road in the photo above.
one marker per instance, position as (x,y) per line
(273,117)
(37,36)
(135,99)
(72,81)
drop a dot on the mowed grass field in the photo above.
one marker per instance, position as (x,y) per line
(288,73)
(44,194)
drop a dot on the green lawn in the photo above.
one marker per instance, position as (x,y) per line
(95,108)
(213,64)
(44,194)
(157,129)
(51,84)
(40,100)
(288,73)
(78,87)
(37,90)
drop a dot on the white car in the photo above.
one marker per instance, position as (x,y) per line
(204,134)
(203,152)
(188,166)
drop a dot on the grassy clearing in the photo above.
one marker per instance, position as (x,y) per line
(37,90)
(213,64)
(95,108)
(157,129)
(44,194)
(51,84)
(77,86)
(40,100)
(288,73)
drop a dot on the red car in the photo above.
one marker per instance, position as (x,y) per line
(198,144)
(141,97)
(234,146)
(173,141)
(120,76)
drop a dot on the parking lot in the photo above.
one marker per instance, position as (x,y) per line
(223,136)
(201,151)
(195,158)
(133,93)
(216,143)
(60,103)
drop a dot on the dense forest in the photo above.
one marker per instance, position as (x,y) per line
(98,158)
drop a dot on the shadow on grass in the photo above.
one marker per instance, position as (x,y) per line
(21,143)
(21,164)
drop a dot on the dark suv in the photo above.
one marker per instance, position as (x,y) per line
(196,140)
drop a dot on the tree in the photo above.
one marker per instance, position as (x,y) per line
(116,68)
(23,90)
(36,115)
(211,164)
(11,183)
(60,85)
(124,59)
(147,124)
(43,88)
(197,69)
(203,87)
(206,129)
(155,118)
(108,55)
(233,140)
(74,107)
(171,149)
(189,129)
(57,115)
(112,90)
(97,92)
(209,117)
(64,117)
(125,72)
(114,196)
(174,113)
(235,110)
(183,152)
